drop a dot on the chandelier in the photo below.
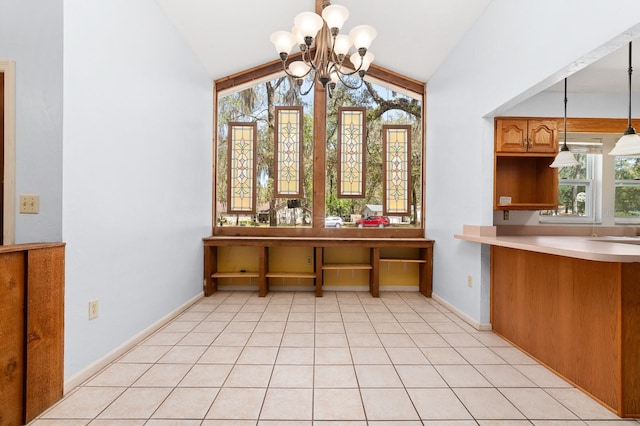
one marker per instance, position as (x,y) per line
(323,49)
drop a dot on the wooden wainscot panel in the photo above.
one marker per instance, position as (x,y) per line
(631,339)
(596,328)
(12,295)
(45,325)
(578,317)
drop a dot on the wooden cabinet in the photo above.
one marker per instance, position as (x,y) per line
(31,330)
(524,149)
(379,251)
(526,135)
(578,317)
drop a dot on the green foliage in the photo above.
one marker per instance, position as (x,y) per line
(257,103)
(627,198)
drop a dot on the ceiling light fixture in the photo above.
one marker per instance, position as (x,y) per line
(565,158)
(324,49)
(629,143)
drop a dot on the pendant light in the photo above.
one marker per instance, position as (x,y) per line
(629,144)
(565,158)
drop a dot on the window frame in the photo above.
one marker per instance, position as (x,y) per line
(593,184)
(273,70)
(612,127)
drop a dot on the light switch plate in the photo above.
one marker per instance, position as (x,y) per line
(29,204)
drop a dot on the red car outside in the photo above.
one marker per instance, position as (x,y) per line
(379,221)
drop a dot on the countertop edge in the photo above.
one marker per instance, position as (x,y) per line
(587,248)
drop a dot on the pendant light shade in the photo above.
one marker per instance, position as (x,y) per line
(629,144)
(564,158)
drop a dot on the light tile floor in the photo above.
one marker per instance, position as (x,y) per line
(346,358)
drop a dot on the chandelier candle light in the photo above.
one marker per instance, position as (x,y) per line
(324,49)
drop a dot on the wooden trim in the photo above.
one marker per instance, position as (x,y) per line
(8,68)
(363,156)
(214,159)
(276,152)
(385,153)
(587,125)
(374,275)
(29,246)
(319,157)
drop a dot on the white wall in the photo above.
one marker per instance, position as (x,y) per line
(137,172)
(31,35)
(514,50)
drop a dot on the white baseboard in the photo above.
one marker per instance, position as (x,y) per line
(101,363)
(464,317)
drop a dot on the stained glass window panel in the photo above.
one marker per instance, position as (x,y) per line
(351,152)
(397,169)
(242,167)
(288,152)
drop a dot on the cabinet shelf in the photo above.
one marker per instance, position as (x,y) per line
(523,153)
(235,274)
(346,266)
(403,260)
(290,275)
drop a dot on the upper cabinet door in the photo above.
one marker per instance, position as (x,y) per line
(543,136)
(522,135)
(511,135)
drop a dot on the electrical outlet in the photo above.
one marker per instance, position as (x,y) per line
(505,215)
(93,309)
(308,260)
(469,281)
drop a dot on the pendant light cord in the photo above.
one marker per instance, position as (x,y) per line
(630,130)
(564,146)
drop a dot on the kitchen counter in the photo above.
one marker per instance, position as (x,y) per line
(573,303)
(618,248)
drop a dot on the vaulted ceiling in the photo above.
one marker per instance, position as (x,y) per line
(414,37)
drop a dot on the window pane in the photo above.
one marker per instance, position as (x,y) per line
(242,149)
(385,106)
(351,153)
(397,165)
(627,201)
(292,205)
(288,152)
(627,195)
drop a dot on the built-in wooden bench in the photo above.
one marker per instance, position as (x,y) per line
(319,245)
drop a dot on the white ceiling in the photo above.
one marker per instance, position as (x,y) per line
(233,35)
(606,75)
